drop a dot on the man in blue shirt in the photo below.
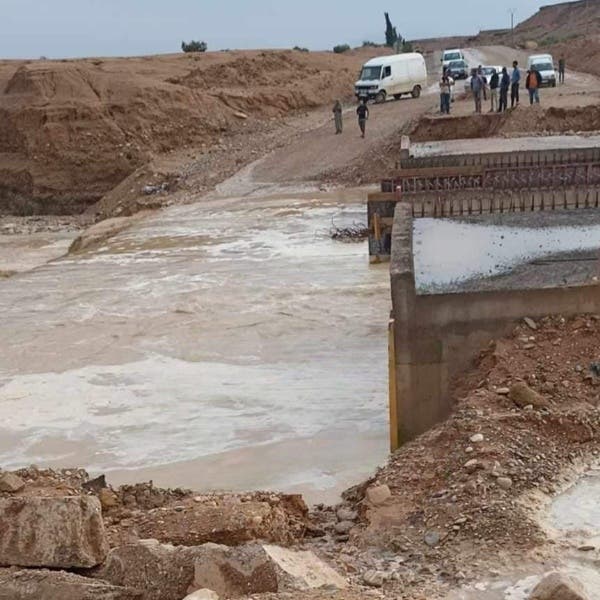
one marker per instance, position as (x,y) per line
(515,80)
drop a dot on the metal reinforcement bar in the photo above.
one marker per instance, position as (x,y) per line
(522,158)
(456,179)
(467,202)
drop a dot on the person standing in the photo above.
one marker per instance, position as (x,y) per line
(445,92)
(477,87)
(533,83)
(504,85)
(337,116)
(515,82)
(561,69)
(494,85)
(363,114)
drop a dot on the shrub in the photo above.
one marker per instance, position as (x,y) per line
(369,44)
(299,49)
(407,46)
(194,46)
(341,48)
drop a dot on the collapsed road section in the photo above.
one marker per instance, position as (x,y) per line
(437,330)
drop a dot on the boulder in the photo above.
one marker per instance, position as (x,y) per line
(56,533)
(557,586)
(522,395)
(17,584)
(260,569)
(163,571)
(203,595)
(378,494)
(11,483)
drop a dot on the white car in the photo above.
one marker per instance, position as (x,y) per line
(449,56)
(488,71)
(544,64)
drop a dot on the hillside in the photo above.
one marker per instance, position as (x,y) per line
(561,22)
(70,131)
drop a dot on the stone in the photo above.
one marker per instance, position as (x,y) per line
(56,533)
(11,483)
(374,578)
(432,538)
(23,584)
(240,115)
(504,482)
(557,586)
(346,514)
(503,391)
(530,323)
(163,571)
(522,395)
(378,495)
(477,438)
(108,499)
(203,595)
(233,572)
(343,527)
(471,465)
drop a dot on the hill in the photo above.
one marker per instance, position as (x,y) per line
(72,130)
(561,22)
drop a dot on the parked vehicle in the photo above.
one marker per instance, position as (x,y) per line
(488,71)
(449,55)
(544,64)
(394,76)
(458,69)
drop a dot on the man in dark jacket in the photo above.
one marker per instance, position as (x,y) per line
(515,82)
(533,84)
(504,85)
(494,85)
(363,114)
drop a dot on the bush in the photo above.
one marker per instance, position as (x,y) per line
(407,46)
(194,46)
(368,44)
(299,49)
(341,48)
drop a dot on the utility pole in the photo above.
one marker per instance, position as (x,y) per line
(512,26)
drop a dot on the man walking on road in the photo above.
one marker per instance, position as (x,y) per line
(337,115)
(494,85)
(504,85)
(561,69)
(478,87)
(363,114)
(515,82)
(533,83)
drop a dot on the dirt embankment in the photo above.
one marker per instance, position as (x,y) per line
(70,131)
(383,160)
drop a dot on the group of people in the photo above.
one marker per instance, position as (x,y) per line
(498,86)
(362,112)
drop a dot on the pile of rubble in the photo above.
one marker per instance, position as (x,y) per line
(64,536)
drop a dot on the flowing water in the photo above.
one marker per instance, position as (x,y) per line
(227,344)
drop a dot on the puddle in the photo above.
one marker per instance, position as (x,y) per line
(577,511)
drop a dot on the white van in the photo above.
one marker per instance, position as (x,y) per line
(544,64)
(449,56)
(395,76)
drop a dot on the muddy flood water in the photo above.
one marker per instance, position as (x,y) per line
(223,345)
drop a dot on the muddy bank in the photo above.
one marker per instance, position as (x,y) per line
(72,130)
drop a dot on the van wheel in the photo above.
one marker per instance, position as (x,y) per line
(397,96)
(380,98)
(416,91)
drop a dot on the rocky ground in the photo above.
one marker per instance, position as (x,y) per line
(461,502)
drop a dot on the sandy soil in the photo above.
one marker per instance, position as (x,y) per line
(72,130)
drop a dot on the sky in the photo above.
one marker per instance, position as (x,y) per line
(74,28)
